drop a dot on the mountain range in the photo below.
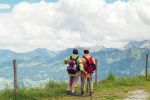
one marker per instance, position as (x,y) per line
(41,65)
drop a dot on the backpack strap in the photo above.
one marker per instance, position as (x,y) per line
(77,58)
(85,57)
(74,59)
(70,57)
(86,60)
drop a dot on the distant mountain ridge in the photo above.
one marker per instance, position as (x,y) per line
(42,64)
(138,44)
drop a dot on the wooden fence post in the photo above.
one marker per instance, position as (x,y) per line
(96,72)
(146,65)
(15,77)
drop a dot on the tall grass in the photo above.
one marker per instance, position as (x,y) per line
(54,90)
(111,77)
(112,83)
(51,90)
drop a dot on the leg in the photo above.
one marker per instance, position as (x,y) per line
(88,84)
(83,86)
(91,86)
(69,83)
(74,83)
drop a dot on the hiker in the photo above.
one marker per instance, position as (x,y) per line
(89,67)
(74,66)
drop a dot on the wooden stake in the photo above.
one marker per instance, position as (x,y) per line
(96,72)
(146,65)
(15,78)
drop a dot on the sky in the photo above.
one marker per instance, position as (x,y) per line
(60,24)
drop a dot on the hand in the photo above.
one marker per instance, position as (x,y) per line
(85,72)
(65,61)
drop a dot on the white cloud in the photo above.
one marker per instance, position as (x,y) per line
(4,6)
(70,23)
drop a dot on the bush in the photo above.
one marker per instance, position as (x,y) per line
(111,77)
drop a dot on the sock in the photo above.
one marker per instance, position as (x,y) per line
(72,91)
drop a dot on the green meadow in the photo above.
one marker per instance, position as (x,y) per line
(111,88)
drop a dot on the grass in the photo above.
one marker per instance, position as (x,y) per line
(51,90)
(121,86)
(111,88)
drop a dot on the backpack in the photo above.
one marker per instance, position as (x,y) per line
(89,66)
(72,67)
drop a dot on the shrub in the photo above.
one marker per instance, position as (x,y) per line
(111,77)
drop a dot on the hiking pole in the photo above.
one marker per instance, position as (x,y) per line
(146,65)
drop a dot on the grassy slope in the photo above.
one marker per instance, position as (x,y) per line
(110,88)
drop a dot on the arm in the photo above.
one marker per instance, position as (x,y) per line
(66,60)
(93,60)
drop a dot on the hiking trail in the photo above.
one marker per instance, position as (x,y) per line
(138,95)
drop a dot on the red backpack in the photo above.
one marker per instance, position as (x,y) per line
(89,66)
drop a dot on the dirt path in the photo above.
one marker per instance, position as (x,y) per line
(132,95)
(138,95)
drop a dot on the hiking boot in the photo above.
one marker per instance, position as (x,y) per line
(82,94)
(91,94)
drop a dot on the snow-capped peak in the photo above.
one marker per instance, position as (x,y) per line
(97,48)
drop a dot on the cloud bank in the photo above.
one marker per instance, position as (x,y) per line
(71,23)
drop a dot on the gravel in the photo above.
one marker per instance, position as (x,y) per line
(138,95)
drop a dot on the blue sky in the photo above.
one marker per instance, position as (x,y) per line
(14,2)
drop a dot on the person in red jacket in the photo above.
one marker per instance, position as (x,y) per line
(89,67)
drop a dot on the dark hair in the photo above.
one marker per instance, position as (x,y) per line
(75,51)
(86,51)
